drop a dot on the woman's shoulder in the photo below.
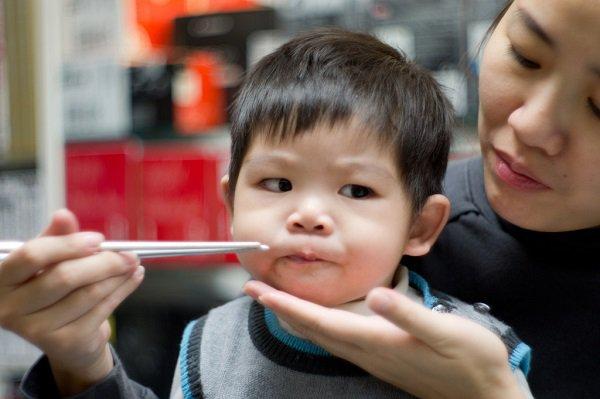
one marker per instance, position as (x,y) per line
(458,187)
(463,185)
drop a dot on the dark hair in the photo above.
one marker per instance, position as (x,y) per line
(495,22)
(335,76)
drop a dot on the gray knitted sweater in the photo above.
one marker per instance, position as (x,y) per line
(239,350)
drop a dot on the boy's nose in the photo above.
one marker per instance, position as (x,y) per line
(311,221)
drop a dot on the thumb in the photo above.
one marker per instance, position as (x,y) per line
(63,222)
(433,329)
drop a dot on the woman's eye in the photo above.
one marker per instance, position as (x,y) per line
(525,62)
(594,107)
(277,184)
(356,191)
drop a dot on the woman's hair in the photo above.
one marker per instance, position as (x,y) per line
(333,76)
(496,21)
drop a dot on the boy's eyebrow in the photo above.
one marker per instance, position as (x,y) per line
(534,27)
(347,165)
(277,159)
(355,165)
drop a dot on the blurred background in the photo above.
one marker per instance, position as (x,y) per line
(118,110)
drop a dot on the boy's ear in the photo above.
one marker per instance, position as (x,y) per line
(225,193)
(428,225)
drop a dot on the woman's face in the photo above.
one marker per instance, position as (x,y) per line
(539,115)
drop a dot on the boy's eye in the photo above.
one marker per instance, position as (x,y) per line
(594,107)
(525,62)
(277,184)
(356,191)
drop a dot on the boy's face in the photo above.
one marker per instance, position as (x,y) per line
(332,209)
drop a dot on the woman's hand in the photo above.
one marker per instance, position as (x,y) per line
(428,354)
(57,291)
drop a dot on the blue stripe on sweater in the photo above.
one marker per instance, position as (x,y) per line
(521,358)
(185,380)
(291,340)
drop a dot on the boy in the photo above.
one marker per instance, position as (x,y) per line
(339,147)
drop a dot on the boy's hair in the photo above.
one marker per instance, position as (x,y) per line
(335,76)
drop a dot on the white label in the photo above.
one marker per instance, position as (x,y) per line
(397,36)
(475,34)
(96,100)
(454,85)
(92,29)
(262,43)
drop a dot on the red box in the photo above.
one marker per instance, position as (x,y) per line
(198,95)
(180,197)
(154,20)
(103,186)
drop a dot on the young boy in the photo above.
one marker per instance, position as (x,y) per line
(339,147)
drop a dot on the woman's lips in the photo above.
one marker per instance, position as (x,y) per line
(506,170)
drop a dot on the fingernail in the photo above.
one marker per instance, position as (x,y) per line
(130,258)
(380,301)
(92,239)
(139,272)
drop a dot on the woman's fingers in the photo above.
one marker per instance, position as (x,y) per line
(443,333)
(76,304)
(58,281)
(35,255)
(94,319)
(63,222)
(81,339)
(432,328)
(336,330)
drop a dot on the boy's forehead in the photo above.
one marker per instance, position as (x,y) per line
(349,134)
(345,154)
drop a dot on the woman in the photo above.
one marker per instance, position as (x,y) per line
(525,221)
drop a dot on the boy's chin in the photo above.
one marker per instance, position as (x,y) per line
(318,295)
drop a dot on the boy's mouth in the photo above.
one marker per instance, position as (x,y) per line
(303,258)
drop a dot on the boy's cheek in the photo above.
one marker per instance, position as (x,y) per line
(254,263)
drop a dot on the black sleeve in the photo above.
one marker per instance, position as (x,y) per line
(39,384)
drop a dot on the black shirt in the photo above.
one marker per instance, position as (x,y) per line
(545,285)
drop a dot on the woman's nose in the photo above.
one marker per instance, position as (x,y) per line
(540,121)
(310,218)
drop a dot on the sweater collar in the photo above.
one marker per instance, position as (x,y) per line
(289,350)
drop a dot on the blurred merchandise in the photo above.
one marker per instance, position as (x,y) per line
(20,204)
(4,117)
(180,198)
(95,84)
(93,30)
(162,190)
(227,34)
(16,356)
(152,99)
(454,85)
(96,102)
(103,186)
(152,21)
(198,97)
(20,61)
